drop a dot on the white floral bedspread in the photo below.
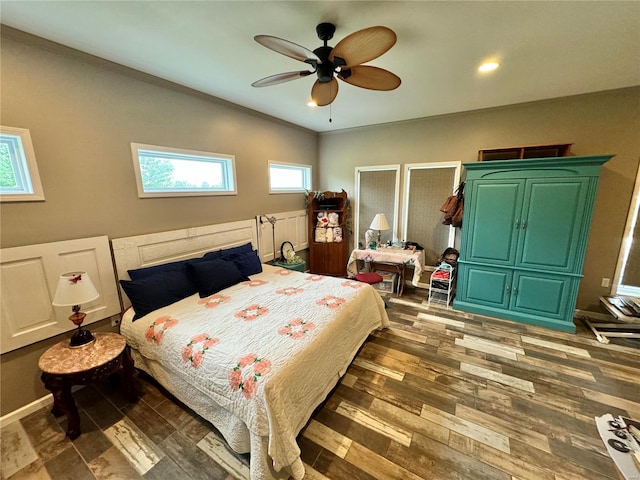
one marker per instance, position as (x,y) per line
(267,350)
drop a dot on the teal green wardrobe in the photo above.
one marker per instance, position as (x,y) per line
(524,235)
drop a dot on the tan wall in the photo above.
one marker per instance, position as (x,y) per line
(83,118)
(602,123)
(83,114)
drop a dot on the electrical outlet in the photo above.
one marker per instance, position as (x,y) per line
(605,282)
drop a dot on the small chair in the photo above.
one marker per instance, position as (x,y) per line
(369,277)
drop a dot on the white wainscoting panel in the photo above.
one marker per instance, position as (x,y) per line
(28,279)
(289,226)
(175,245)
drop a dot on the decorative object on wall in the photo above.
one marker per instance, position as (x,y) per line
(74,289)
(379,223)
(344,60)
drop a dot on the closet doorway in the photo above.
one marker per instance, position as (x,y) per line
(427,186)
(377,191)
(627,276)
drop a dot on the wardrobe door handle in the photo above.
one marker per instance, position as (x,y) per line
(508,290)
(524,224)
(515,292)
(517,224)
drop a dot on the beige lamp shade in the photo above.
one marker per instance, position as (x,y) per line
(380,222)
(74,288)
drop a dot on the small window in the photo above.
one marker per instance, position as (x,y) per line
(19,177)
(173,172)
(289,177)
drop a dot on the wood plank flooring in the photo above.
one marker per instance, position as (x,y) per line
(439,395)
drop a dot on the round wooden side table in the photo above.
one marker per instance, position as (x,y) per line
(63,366)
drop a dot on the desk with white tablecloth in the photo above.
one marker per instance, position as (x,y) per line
(390,255)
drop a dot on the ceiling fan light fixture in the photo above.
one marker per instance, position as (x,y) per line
(488,67)
(341,62)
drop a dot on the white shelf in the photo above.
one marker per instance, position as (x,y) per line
(438,294)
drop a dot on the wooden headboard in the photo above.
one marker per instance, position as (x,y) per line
(171,246)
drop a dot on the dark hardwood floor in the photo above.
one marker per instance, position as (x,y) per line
(439,395)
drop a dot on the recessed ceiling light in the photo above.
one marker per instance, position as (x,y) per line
(488,67)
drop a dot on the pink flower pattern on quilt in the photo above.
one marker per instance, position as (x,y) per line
(252,312)
(214,300)
(288,291)
(196,358)
(254,283)
(284,272)
(296,328)
(352,284)
(331,302)
(155,331)
(247,372)
(314,278)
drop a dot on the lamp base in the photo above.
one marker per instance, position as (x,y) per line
(81,338)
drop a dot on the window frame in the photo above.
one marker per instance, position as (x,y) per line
(307,171)
(28,169)
(229,170)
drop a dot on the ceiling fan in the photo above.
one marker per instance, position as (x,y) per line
(344,60)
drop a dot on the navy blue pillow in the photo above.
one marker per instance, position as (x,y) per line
(212,276)
(179,267)
(227,253)
(248,263)
(212,255)
(157,291)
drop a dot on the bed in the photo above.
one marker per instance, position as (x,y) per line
(254,357)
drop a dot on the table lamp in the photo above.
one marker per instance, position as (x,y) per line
(73,289)
(379,223)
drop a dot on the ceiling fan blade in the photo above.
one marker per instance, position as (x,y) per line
(364,45)
(290,49)
(280,78)
(373,78)
(324,93)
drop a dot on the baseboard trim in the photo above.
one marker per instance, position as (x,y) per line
(26,410)
(592,315)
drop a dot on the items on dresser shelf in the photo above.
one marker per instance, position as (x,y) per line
(626,311)
(397,258)
(442,284)
(523,245)
(64,366)
(327,212)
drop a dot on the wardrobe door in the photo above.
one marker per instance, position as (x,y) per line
(484,286)
(491,235)
(541,295)
(552,222)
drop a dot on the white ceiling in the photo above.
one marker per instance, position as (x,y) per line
(547,50)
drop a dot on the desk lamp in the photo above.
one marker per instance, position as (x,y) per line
(73,289)
(379,223)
